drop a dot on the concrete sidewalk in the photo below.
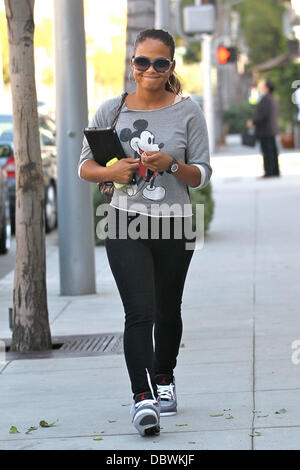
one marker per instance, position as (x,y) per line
(241,317)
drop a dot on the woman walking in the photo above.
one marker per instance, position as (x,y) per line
(164,137)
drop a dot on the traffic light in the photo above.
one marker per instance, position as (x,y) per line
(226,55)
(211,2)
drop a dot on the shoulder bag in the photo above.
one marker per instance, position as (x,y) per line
(106,188)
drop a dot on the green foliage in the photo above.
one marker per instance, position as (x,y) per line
(193,49)
(192,53)
(110,66)
(237,116)
(48,76)
(190,78)
(4,47)
(283,78)
(261,23)
(203,196)
(197,196)
(43,36)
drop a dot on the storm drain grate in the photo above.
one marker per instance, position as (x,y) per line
(74,346)
(103,343)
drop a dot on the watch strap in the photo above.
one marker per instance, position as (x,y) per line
(172,163)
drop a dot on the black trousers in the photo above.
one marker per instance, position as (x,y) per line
(270,155)
(150,276)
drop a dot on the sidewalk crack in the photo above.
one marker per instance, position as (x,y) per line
(253,315)
(62,310)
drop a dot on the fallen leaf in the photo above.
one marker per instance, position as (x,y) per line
(262,416)
(13,430)
(182,345)
(112,420)
(32,428)
(256,433)
(215,416)
(282,411)
(44,424)
(229,417)
(181,424)
(191,442)
(97,438)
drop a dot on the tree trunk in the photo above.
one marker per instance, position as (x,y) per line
(140,15)
(31,329)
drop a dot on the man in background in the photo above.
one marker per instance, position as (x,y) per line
(266,128)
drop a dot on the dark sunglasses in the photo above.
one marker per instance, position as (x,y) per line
(160,65)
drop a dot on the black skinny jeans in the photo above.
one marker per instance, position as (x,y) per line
(150,276)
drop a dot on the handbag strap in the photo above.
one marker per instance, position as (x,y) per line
(119,109)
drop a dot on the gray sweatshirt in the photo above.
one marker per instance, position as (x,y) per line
(178,130)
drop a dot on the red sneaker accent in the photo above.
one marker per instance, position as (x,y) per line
(142,396)
(163,379)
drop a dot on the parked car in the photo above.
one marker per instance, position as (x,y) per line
(5,230)
(6,125)
(48,153)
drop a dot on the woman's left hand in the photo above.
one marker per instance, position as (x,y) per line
(156,161)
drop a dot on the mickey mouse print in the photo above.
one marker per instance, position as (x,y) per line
(142,140)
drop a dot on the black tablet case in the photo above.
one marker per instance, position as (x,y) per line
(104,144)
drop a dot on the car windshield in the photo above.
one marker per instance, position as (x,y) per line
(6,128)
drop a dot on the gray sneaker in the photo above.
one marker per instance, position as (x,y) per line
(168,399)
(146,417)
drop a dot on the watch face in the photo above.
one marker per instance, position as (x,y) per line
(174,167)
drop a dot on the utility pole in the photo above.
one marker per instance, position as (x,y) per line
(199,21)
(208,105)
(75,210)
(162,15)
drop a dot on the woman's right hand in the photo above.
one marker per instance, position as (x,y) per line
(123,170)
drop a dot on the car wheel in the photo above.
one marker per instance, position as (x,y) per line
(50,208)
(5,234)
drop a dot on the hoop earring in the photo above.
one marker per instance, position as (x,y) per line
(130,76)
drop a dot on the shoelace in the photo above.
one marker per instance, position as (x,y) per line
(166,392)
(147,401)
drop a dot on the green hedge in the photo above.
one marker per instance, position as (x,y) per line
(237,116)
(197,196)
(203,196)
